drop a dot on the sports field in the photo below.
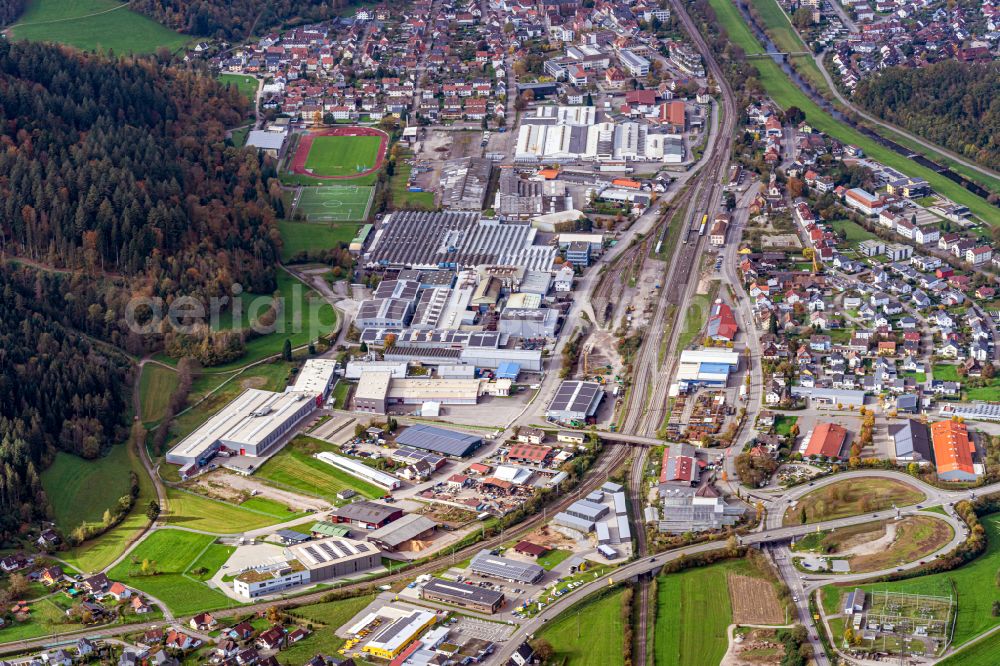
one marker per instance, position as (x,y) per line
(335,203)
(343,155)
(170,554)
(94,25)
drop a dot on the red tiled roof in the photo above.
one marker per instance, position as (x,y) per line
(827,440)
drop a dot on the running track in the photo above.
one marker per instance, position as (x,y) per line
(306,141)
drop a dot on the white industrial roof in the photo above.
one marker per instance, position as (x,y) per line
(710,356)
(374,384)
(245,421)
(315,376)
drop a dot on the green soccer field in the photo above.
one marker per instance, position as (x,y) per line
(335,203)
(342,155)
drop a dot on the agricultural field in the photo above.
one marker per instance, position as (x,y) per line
(155,387)
(299,237)
(848,498)
(80,490)
(590,633)
(974,585)
(326,618)
(336,203)
(786,94)
(197,512)
(343,155)
(754,601)
(101,551)
(94,25)
(694,609)
(245,84)
(169,555)
(981,653)
(294,468)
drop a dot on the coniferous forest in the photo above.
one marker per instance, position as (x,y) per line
(10,10)
(120,167)
(953,104)
(235,19)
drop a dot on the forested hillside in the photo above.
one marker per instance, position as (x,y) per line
(57,391)
(235,19)
(10,10)
(121,167)
(953,104)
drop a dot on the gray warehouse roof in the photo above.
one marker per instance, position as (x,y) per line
(441,440)
(487,564)
(567,520)
(575,396)
(913,437)
(404,529)
(368,512)
(460,591)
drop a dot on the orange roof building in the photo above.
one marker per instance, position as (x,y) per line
(627,183)
(953,451)
(827,440)
(548,174)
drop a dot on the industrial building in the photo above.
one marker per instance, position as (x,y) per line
(366,515)
(691,510)
(439,440)
(360,470)
(575,401)
(529,322)
(912,442)
(408,534)
(308,562)
(680,466)
(587,510)
(523,198)
(315,377)
(398,628)
(250,425)
(827,440)
(473,597)
(454,240)
(572,522)
(706,367)
(954,451)
(378,390)
(828,398)
(336,557)
(385,313)
(464,183)
(493,566)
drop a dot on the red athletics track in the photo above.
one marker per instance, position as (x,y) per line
(306,141)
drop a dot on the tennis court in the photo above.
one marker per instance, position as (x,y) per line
(335,203)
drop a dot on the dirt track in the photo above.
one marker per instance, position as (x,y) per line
(305,145)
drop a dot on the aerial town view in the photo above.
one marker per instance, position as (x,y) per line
(505,332)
